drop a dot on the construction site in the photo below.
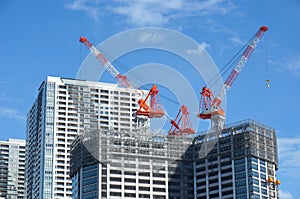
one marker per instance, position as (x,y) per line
(147,165)
(117,155)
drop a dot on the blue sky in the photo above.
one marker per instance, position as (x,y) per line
(40,38)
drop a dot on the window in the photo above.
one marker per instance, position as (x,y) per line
(253,173)
(244,196)
(159,189)
(239,161)
(115,194)
(254,181)
(239,168)
(158,182)
(262,169)
(144,181)
(89,181)
(116,179)
(262,162)
(130,187)
(89,188)
(253,166)
(113,186)
(240,183)
(144,188)
(264,191)
(263,176)
(241,190)
(240,175)
(253,159)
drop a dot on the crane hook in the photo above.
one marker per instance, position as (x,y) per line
(268,83)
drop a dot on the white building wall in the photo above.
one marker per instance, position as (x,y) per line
(12,168)
(63,109)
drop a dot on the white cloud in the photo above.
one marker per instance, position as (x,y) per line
(289,152)
(89,6)
(3,97)
(293,65)
(201,47)
(237,40)
(11,113)
(290,63)
(285,195)
(152,12)
(150,37)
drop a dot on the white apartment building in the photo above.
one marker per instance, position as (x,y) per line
(63,109)
(12,168)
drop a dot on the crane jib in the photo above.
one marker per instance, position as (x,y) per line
(210,106)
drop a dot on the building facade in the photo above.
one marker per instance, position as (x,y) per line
(63,109)
(12,169)
(135,164)
(242,163)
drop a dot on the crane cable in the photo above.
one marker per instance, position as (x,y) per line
(228,65)
(136,76)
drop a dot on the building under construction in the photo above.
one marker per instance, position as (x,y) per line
(135,164)
(240,162)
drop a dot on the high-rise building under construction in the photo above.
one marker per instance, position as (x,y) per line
(136,164)
(239,162)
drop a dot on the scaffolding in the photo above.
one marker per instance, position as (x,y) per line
(157,157)
(247,138)
(110,147)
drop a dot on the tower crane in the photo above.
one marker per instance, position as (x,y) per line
(155,110)
(181,125)
(210,104)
